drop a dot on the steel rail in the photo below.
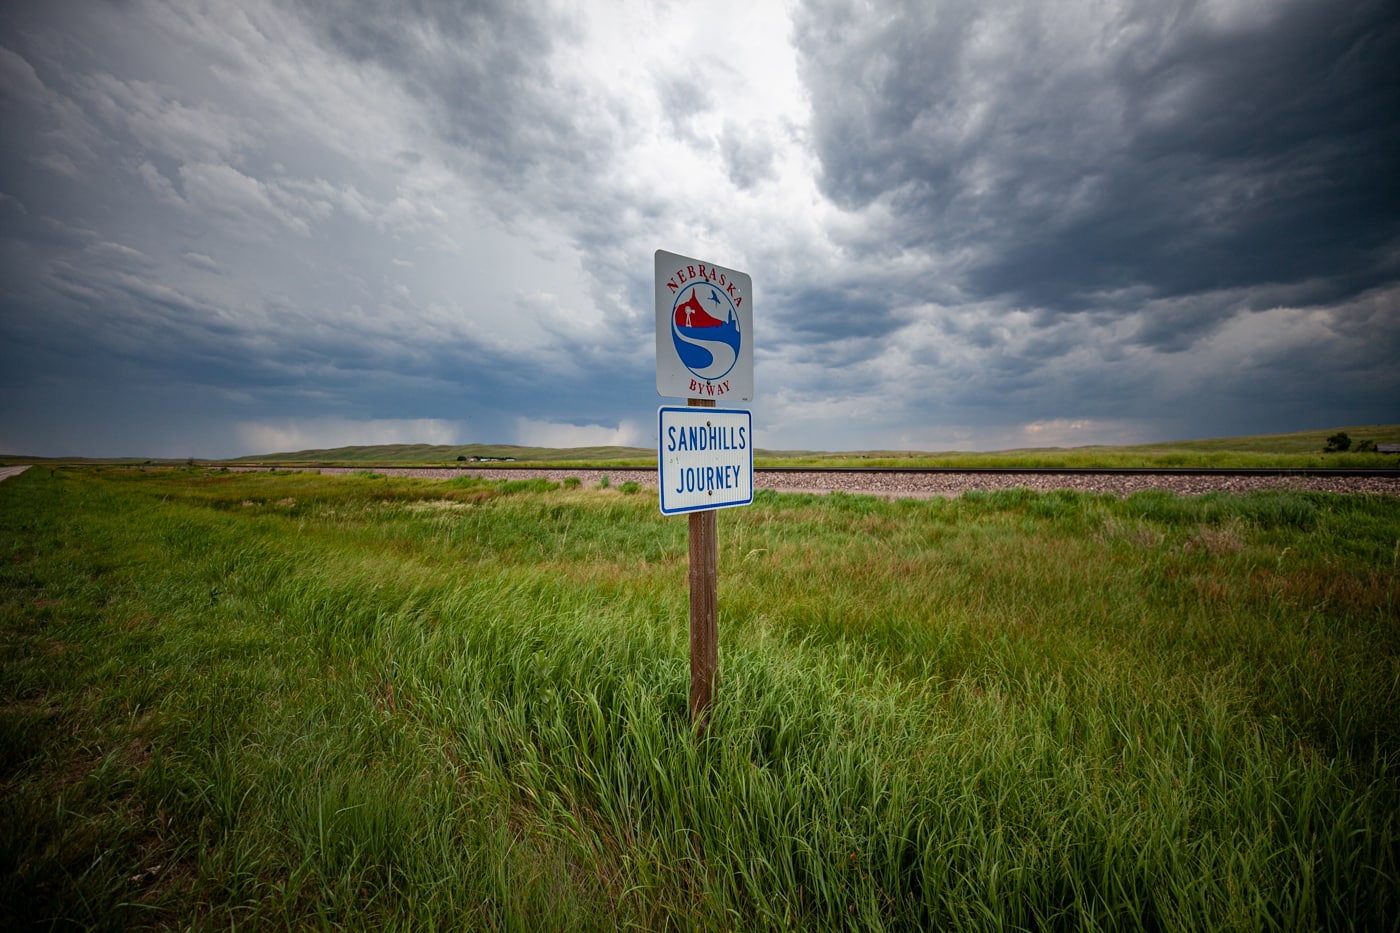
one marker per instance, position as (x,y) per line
(1336,472)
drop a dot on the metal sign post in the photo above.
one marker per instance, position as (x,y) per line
(705,463)
(704,352)
(704,609)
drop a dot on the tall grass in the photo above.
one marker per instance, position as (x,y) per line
(287,701)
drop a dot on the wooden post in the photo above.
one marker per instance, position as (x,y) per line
(704,608)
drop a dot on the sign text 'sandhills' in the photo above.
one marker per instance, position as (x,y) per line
(705,459)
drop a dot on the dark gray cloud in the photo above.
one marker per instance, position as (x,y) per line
(273,221)
(480,65)
(1179,147)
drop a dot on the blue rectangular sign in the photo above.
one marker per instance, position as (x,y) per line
(704,458)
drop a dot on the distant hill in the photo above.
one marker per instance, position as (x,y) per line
(1298,449)
(444,453)
(1297,444)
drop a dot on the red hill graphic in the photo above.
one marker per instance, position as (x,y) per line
(690,313)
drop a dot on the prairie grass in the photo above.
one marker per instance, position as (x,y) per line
(281,700)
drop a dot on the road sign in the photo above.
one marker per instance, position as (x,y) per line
(705,460)
(704,330)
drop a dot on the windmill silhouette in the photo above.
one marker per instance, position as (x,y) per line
(690,306)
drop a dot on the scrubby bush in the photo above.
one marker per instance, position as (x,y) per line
(1337,443)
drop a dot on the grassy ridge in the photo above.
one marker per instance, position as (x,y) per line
(1297,450)
(285,700)
(448,454)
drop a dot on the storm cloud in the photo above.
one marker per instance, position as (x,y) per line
(969,225)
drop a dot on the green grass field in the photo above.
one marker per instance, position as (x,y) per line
(285,701)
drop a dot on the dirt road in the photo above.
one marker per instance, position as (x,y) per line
(7,472)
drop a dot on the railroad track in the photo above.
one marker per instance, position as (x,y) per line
(898,482)
(1391,473)
(1118,481)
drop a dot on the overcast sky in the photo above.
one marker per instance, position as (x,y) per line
(241,226)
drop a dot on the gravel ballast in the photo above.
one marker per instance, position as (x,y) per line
(922,485)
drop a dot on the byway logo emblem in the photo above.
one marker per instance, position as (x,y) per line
(705,331)
(704,327)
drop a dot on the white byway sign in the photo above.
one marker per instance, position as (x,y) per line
(704,330)
(705,459)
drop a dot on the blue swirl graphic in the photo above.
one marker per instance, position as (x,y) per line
(708,352)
